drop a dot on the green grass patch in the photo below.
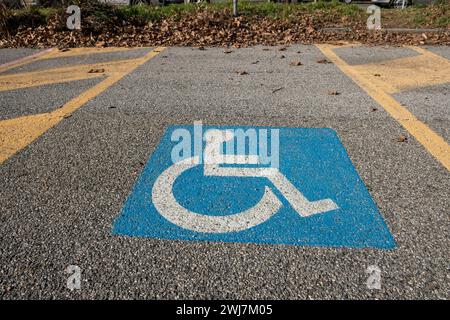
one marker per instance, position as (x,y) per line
(245,8)
(436,16)
(43,13)
(443,22)
(153,13)
(148,13)
(27,17)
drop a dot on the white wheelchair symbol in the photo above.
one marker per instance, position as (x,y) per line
(166,204)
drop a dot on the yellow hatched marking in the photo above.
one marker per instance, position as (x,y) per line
(431,141)
(15,134)
(64,74)
(397,75)
(74,52)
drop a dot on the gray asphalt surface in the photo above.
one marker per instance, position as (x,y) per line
(61,194)
(355,55)
(30,100)
(9,55)
(431,104)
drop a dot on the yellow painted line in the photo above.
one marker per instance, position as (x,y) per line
(74,52)
(39,79)
(27,60)
(16,134)
(428,53)
(64,74)
(432,142)
(345,44)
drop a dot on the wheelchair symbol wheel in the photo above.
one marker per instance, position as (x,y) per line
(166,204)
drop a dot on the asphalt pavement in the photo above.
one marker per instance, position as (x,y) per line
(61,193)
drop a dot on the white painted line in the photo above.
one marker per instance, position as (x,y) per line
(166,204)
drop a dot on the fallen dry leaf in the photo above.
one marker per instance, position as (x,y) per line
(278,89)
(324,61)
(333,93)
(204,27)
(402,138)
(97,71)
(296,63)
(242,73)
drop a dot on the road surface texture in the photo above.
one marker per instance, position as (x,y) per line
(78,126)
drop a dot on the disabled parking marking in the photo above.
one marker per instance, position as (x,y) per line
(64,74)
(167,205)
(17,133)
(380,92)
(314,198)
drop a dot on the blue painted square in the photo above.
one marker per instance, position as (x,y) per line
(314,161)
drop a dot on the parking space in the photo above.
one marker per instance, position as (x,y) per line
(80,168)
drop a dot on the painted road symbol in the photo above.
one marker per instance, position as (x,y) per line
(166,204)
(312,196)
